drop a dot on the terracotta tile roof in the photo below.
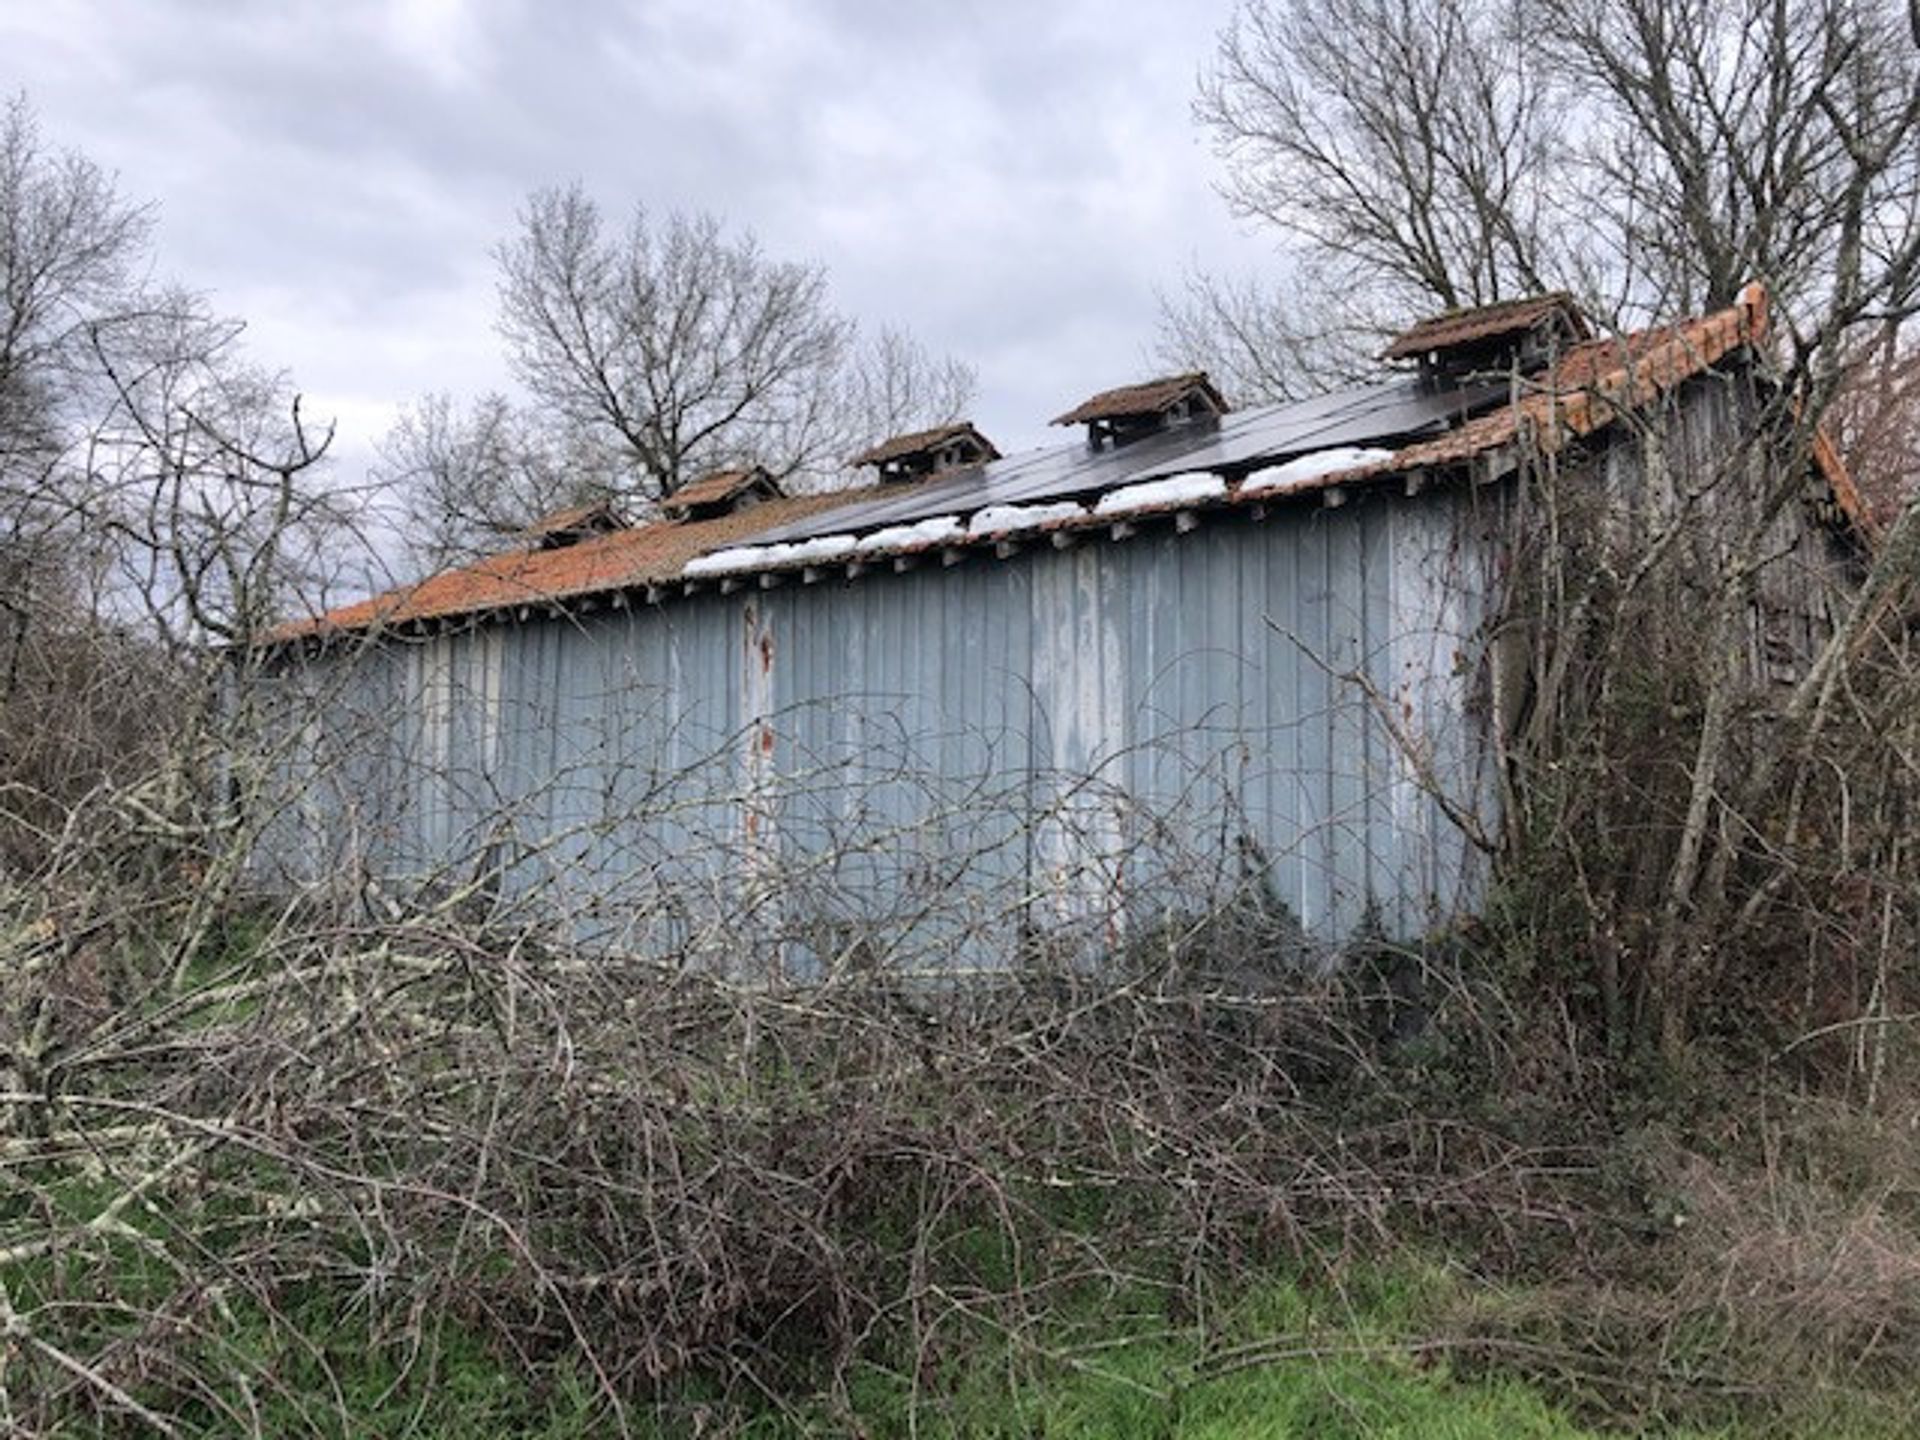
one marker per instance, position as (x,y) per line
(920,440)
(718,487)
(638,556)
(1595,381)
(1486,322)
(1590,385)
(1149,397)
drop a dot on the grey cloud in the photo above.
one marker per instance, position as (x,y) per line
(1009,181)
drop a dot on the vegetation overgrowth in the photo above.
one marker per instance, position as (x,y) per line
(1633,1151)
(417,1175)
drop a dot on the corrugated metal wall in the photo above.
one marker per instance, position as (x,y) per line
(947,757)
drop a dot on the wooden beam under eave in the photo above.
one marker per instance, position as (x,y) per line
(1496,465)
(1185,521)
(1333,497)
(1121,530)
(1006,549)
(951,555)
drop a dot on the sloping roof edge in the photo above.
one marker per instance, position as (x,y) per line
(1593,384)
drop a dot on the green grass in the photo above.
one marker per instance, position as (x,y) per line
(1283,1359)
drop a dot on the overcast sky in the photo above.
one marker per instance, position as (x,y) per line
(1010,182)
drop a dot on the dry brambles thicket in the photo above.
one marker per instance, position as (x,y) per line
(431,1107)
(1655,1099)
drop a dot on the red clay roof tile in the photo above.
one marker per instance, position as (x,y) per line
(1591,384)
(638,556)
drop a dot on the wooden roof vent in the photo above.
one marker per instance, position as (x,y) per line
(570,526)
(1492,339)
(722,492)
(1115,417)
(929,452)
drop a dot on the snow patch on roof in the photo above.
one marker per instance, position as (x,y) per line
(999,519)
(767,557)
(821,547)
(902,537)
(1193,487)
(726,562)
(1301,471)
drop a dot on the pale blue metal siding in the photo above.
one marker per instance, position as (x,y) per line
(1061,738)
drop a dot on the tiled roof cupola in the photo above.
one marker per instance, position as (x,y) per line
(1492,339)
(1114,417)
(929,452)
(721,492)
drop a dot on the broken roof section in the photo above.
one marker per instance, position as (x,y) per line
(1324,446)
(1148,398)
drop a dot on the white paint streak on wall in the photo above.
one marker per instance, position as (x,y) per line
(1080,680)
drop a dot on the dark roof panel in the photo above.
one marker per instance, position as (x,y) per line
(1374,415)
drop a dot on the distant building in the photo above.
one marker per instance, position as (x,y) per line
(1190,648)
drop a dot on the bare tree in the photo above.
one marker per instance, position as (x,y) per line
(70,252)
(686,343)
(1653,156)
(157,498)
(689,349)
(1260,342)
(198,487)
(1875,420)
(1411,142)
(469,478)
(1768,139)
(893,383)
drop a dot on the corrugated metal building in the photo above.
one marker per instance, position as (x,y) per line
(1192,653)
